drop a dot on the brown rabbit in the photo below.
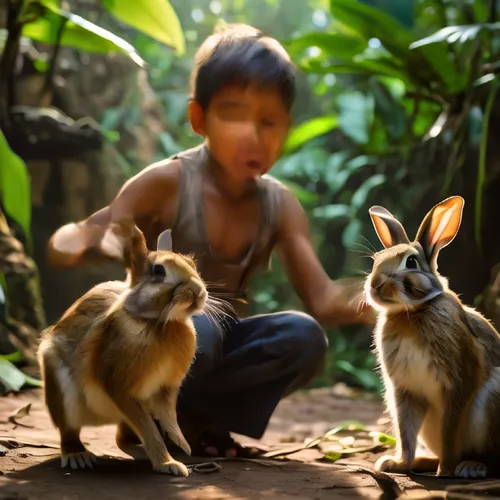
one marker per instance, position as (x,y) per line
(439,358)
(120,352)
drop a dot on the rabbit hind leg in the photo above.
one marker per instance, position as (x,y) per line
(73,452)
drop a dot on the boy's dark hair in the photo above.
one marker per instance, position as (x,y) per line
(241,54)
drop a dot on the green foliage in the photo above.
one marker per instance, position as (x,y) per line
(12,378)
(56,26)
(310,130)
(394,95)
(156,18)
(15,187)
(443,73)
(45,21)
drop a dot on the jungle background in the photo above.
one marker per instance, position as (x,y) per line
(396,106)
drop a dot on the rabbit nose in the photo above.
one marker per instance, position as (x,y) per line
(379,281)
(195,286)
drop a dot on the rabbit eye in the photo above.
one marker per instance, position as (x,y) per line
(158,271)
(411,262)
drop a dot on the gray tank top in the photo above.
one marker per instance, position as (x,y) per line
(230,281)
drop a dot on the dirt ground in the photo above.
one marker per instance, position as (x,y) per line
(31,469)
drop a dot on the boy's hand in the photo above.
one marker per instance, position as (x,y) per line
(332,303)
(349,298)
(72,242)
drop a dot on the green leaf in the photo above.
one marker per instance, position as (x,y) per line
(33,382)
(333,456)
(480,11)
(356,113)
(367,378)
(15,187)
(77,32)
(380,437)
(370,22)
(360,67)
(310,130)
(41,65)
(345,425)
(332,211)
(156,18)
(389,110)
(11,377)
(359,162)
(336,45)
(453,68)
(14,357)
(361,195)
(484,80)
(452,34)
(351,233)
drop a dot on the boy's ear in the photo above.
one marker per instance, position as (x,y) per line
(196,117)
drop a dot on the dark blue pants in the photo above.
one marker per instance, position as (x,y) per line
(244,367)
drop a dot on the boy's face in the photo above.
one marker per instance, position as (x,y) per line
(245,129)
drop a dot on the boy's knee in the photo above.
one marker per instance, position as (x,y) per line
(306,336)
(209,346)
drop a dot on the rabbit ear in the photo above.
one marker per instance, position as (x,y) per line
(440,226)
(389,230)
(165,241)
(136,254)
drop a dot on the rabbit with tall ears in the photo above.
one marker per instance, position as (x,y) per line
(119,354)
(439,358)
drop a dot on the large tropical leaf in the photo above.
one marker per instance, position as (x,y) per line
(335,45)
(15,187)
(156,18)
(425,68)
(370,22)
(356,113)
(75,32)
(452,34)
(310,130)
(457,69)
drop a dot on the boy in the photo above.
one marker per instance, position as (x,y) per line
(220,208)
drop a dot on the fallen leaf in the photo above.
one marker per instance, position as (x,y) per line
(383,438)
(22,412)
(10,443)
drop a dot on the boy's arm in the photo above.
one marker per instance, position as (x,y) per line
(150,193)
(330,302)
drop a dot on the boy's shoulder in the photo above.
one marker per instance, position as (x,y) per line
(277,187)
(272,182)
(284,203)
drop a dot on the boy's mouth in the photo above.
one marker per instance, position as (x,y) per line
(254,164)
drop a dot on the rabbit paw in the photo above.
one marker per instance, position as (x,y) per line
(391,464)
(471,469)
(78,460)
(173,468)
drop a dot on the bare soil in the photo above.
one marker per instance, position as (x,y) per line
(31,469)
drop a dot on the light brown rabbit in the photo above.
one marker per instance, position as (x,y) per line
(439,358)
(120,353)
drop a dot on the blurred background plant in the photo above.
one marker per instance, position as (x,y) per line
(396,106)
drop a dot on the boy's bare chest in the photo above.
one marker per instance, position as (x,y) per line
(231,227)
